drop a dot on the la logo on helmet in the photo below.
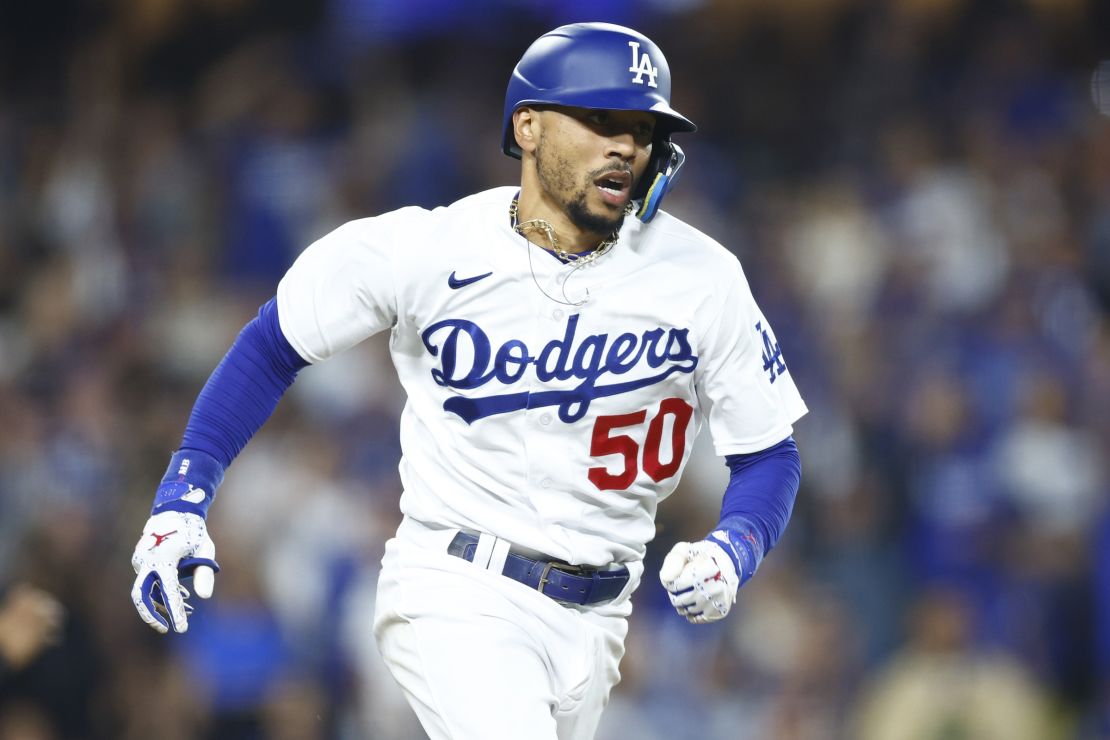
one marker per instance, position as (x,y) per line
(641,65)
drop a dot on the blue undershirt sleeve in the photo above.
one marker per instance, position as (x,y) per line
(757,504)
(238,398)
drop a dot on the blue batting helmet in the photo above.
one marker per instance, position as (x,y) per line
(606,67)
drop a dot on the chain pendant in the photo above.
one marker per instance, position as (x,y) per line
(549,232)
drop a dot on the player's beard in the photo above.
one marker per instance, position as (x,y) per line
(556,176)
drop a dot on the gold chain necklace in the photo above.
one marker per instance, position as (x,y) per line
(549,231)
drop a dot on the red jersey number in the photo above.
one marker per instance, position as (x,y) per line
(605,442)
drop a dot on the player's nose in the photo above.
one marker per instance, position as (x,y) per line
(621,145)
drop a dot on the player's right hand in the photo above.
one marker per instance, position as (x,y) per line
(174,545)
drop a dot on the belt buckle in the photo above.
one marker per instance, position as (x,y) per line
(565,567)
(543,576)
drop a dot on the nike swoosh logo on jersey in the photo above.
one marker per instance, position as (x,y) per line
(455,283)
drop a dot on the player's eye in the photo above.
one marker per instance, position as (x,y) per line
(600,117)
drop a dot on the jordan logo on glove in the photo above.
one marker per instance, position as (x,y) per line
(158,538)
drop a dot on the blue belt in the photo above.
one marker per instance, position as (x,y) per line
(561,581)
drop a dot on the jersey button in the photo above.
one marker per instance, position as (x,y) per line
(557,314)
(545,419)
(545,483)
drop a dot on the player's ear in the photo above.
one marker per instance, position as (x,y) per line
(526,123)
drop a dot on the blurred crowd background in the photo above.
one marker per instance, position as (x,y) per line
(919,191)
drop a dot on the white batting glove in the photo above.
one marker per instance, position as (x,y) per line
(701,581)
(174,545)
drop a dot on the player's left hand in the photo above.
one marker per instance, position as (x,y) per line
(700,580)
(174,545)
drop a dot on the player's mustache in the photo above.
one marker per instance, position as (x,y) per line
(616,165)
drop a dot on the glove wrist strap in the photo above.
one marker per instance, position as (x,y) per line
(740,540)
(190,483)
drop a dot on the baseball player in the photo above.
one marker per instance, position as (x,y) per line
(561,342)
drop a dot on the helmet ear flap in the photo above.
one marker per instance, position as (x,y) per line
(667,159)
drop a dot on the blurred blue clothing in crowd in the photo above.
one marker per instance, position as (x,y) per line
(919,193)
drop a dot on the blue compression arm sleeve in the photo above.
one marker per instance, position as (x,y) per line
(238,398)
(757,504)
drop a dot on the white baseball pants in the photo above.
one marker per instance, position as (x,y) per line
(482,657)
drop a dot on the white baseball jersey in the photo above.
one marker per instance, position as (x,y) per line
(557,427)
